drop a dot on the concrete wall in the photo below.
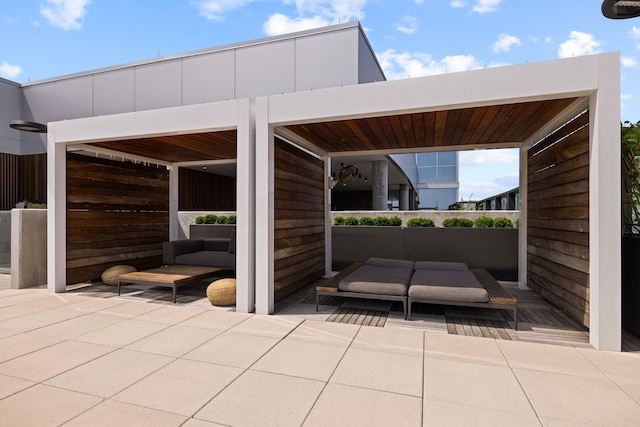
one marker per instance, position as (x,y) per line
(309,60)
(9,110)
(28,248)
(5,240)
(186,218)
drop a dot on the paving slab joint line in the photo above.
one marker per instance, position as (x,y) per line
(326,383)
(519,383)
(624,390)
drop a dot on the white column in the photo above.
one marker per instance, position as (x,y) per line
(605,275)
(174,222)
(328,255)
(264,208)
(522,231)
(56,213)
(245,208)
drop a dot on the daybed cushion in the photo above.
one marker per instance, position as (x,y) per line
(440,265)
(389,262)
(447,285)
(374,279)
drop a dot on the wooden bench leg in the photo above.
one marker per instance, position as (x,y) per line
(407,314)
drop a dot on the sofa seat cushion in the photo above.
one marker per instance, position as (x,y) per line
(447,285)
(440,265)
(373,279)
(209,259)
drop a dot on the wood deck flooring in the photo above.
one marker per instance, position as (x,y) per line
(538,320)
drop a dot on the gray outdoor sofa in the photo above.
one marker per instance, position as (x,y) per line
(211,252)
(444,283)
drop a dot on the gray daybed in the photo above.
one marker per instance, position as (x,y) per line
(211,252)
(445,283)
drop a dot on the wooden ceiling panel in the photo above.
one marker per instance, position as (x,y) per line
(508,123)
(179,148)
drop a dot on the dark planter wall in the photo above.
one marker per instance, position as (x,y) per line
(204,231)
(495,250)
(631,285)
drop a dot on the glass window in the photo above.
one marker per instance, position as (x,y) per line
(426,159)
(427,174)
(447,158)
(447,174)
(437,198)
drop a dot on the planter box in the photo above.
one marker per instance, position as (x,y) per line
(631,285)
(204,231)
(494,249)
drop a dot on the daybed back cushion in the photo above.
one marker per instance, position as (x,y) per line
(447,285)
(388,262)
(374,279)
(440,265)
(216,244)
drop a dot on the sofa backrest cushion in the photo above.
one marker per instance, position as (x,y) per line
(388,262)
(232,243)
(220,244)
(441,265)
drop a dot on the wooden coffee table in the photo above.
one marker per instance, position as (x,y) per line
(170,276)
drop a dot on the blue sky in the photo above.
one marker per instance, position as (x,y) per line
(48,38)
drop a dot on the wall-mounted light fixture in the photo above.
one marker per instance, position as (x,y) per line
(28,126)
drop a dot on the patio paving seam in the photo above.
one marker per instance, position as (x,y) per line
(635,399)
(524,391)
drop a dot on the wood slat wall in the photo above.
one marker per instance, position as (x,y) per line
(117,213)
(558,218)
(201,191)
(22,178)
(299,219)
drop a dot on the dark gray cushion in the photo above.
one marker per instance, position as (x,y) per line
(174,248)
(388,262)
(216,244)
(447,285)
(440,265)
(208,259)
(232,243)
(373,279)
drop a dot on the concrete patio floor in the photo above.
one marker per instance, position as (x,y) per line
(72,360)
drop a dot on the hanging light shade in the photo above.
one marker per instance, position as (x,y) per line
(28,126)
(621,9)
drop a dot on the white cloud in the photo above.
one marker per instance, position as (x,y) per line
(418,1)
(313,14)
(635,34)
(9,71)
(281,24)
(628,62)
(484,6)
(414,64)
(457,4)
(408,25)
(505,42)
(215,9)
(579,43)
(65,14)
(489,157)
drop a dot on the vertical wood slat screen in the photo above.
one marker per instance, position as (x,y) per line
(299,206)
(22,178)
(558,218)
(201,191)
(117,213)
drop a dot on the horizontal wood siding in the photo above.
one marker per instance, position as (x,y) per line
(558,218)
(117,213)
(202,191)
(22,178)
(299,234)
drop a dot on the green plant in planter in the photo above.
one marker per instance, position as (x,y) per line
(231,219)
(457,223)
(420,222)
(483,222)
(502,222)
(381,221)
(366,220)
(351,220)
(207,219)
(339,220)
(517,223)
(395,221)
(222,220)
